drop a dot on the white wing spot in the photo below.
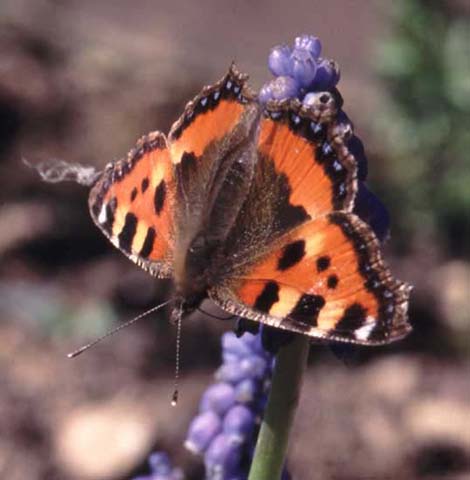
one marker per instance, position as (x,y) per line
(102,217)
(364,332)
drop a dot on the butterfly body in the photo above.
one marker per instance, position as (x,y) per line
(250,206)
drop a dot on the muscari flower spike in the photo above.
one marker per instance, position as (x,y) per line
(225,429)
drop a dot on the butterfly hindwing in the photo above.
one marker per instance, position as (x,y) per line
(133,202)
(325,279)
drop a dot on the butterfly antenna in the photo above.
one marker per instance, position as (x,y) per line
(179,315)
(215,316)
(117,329)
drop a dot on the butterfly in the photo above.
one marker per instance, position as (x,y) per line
(250,205)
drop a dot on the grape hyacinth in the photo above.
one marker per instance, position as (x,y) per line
(224,430)
(161,469)
(300,72)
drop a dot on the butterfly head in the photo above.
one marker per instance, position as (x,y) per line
(186,305)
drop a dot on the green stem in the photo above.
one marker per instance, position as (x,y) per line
(283,399)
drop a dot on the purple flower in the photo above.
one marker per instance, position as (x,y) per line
(202,430)
(372,211)
(159,463)
(327,75)
(225,430)
(304,67)
(239,423)
(218,398)
(222,458)
(279,61)
(301,69)
(161,469)
(280,88)
(309,43)
(246,390)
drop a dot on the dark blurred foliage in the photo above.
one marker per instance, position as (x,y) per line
(425,67)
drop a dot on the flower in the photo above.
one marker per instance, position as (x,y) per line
(299,71)
(161,469)
(225,429)
(373,211)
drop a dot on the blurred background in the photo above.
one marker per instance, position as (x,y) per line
(81,81)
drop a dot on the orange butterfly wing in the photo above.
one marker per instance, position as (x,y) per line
(210,116)
(133,202)
(309,150)
(138,202)
(325,279)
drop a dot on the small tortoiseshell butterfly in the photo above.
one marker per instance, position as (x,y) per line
(250,206)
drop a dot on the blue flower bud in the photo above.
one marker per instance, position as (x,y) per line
(230,372)
(238,475)
(265,94)
(253,366)
(228,357)
(309,43)
(327,75)
(239,423)
(279,89)
(161,469)
(222,458)
(160,463)
(261,402)
(232,344)
(304,67)
(246,390)
(279,61)
(370,209)
(254,344)
(218,398)
(202,430)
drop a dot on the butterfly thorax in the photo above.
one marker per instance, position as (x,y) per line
(194,270)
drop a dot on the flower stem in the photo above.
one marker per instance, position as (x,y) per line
(283,399)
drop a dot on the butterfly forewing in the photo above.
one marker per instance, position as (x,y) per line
(305,147)
(210,116)
(133,204)
(304,170)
